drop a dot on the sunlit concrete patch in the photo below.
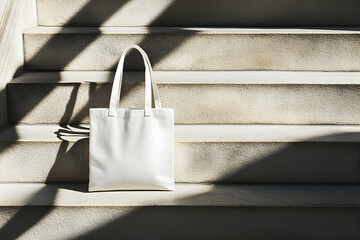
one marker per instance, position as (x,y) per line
(147,13)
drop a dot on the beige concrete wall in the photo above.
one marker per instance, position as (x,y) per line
(3,110)
(17,16)
(2,9)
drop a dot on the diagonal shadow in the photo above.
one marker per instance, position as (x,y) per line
(241,13)
(95,91)
(19,218)
(224,222)
(20,222)
(131,221)
(110,7)
(132,62)
(63,153)
(133,57)
(212,222)
(246,222)
(67,58)
(229,223)
(107,13)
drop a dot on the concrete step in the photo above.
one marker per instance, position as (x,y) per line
(192,211)
(203,153)
(256,13)
(197,97)
(171,48)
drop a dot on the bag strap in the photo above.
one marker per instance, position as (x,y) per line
(149,83)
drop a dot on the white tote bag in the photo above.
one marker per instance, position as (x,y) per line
(132,149)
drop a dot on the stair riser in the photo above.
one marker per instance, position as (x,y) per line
(165,222)
(256,13)
(191,50)
(193,103)
(250,162)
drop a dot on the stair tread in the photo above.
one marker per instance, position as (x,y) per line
(243,195)
(92,48)
(196,133)
(202,30)
(195,77)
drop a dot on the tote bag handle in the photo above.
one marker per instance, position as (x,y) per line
(149,83)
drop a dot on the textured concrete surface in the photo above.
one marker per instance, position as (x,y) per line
(259,13)
(207,153)
(54,48)
(36,211)
(199,195)
(197,97)
(178,223)
(203,153)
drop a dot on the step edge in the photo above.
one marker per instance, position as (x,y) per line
(188,30)
(194,77)
(197,133)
